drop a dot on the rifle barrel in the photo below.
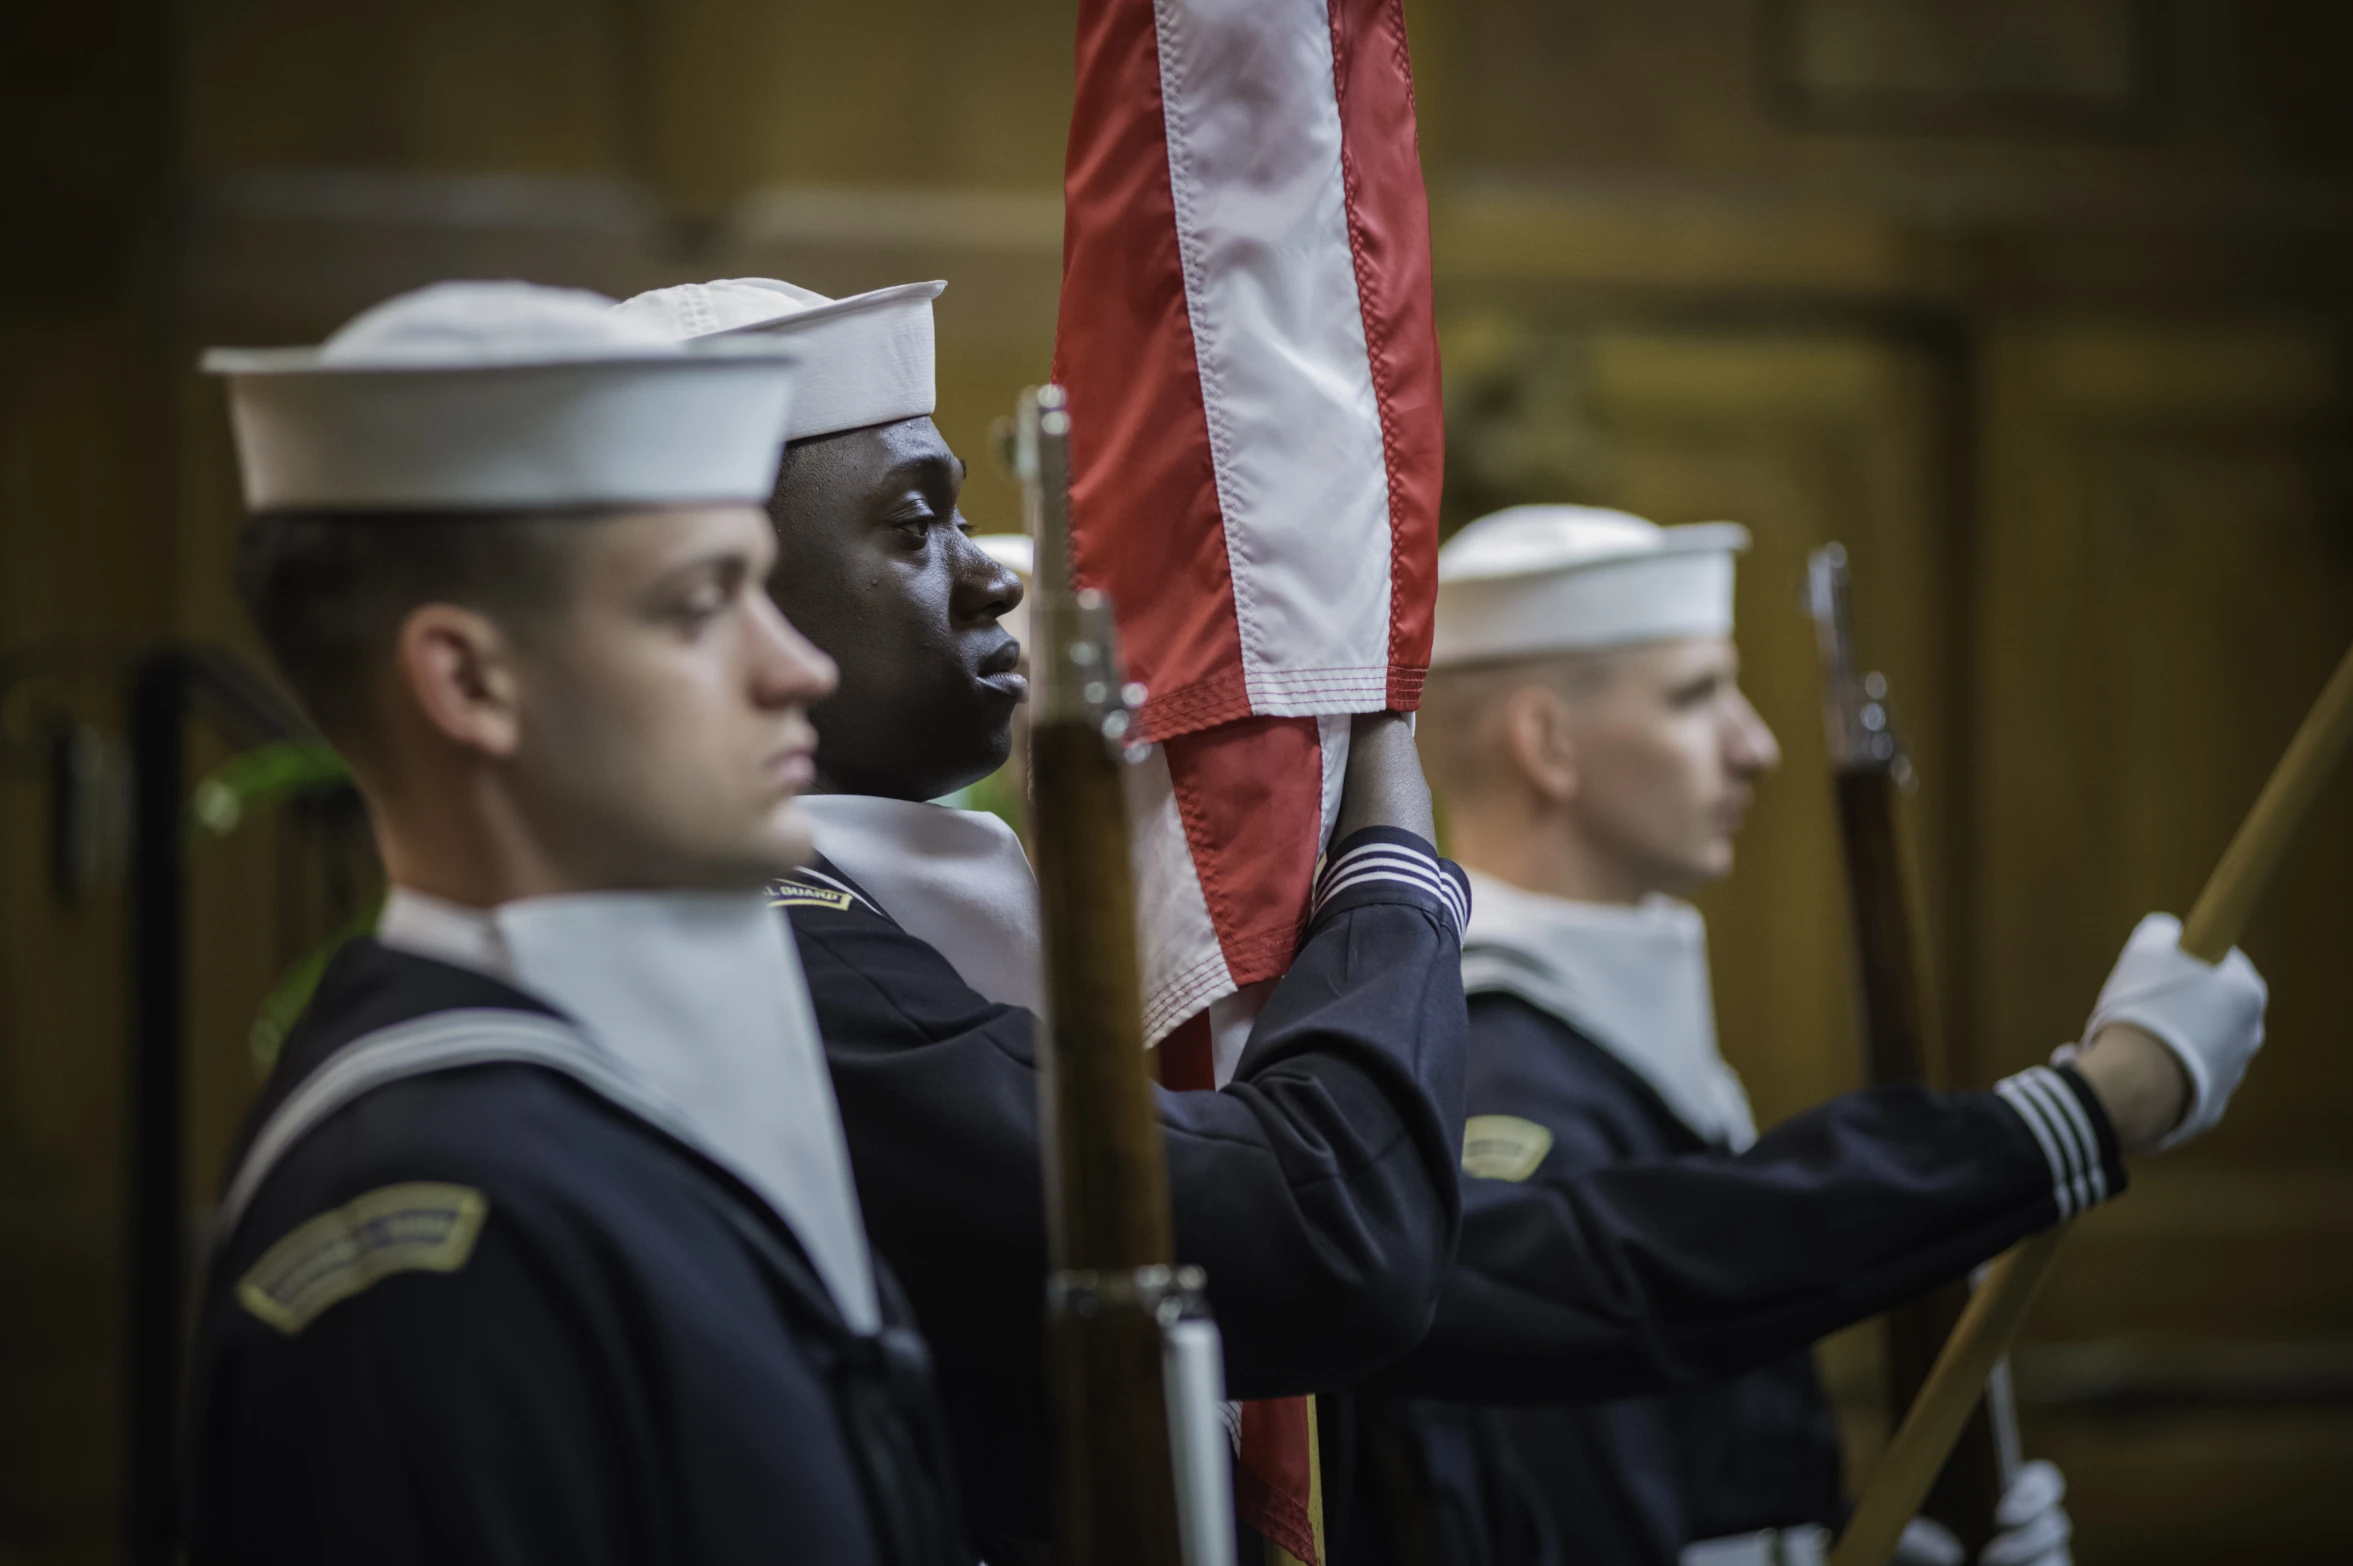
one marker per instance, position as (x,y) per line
(1115,1295)
(1868,770)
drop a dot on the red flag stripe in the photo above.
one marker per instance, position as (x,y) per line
(1389,234)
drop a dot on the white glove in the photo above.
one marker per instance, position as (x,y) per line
(2209,1015)
(1927,1542)
(2034,1529)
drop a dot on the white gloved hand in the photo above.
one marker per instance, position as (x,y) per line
(1927,1542)
(2035,1529)
(2210,1015)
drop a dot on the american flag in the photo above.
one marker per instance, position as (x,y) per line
(1247,338)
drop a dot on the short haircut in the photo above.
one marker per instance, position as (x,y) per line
(328,591)
(1460,729)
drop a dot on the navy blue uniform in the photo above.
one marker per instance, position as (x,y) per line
(1618,1344)
(484,1315)
(1318,1188)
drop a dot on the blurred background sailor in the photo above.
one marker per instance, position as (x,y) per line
(1587,728)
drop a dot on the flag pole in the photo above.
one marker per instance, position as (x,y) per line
(1983,1334)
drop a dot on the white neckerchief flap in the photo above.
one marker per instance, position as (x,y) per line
(698,999)
(1633,980)
(957,880)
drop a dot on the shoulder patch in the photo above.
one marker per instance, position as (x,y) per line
(419,1227)
(798,894)
(1503,1147)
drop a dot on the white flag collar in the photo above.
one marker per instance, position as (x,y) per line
(957,880)
(1633,980)
(698,998)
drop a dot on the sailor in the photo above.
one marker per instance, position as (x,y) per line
(542,1242)
(1317,1188)
(1596,755)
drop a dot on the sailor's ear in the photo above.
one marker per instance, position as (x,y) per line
(1538,743)
(458,669)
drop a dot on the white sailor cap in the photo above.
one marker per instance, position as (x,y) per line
(1539,579)
(505,396)
(867,359)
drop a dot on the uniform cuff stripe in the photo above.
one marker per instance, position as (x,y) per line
(1397,863)
(2070,1144)
(2094,1189)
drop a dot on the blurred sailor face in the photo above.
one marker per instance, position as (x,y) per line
(875,567)
(1665,753)
(662,725)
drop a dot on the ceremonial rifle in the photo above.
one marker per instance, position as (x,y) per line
(1133,1361)
(1869,770)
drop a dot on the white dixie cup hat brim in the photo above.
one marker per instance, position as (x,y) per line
(867,359)
(505,396)
(1539,579)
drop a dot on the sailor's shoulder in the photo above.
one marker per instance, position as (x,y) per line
(820,890)
(421,1173)
(1527,1063)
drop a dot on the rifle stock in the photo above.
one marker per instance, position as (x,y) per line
(1870,771)
(1132,1381)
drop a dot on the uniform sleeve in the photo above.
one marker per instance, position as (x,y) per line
(1317,1189)
(1584,1283)
(448,1411)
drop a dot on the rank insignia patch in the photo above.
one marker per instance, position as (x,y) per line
(798,894)
(417,1227)
(1503,1147)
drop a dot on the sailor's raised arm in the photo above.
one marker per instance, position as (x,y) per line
(1584,1283)
(1317,1188)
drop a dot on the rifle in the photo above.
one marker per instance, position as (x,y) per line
(1869,770)
(1132,1357)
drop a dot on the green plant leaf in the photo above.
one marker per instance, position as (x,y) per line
(262,776)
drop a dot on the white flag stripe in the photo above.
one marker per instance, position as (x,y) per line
(1253,124)
(1184,965)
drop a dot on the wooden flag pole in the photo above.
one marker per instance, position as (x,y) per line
(1912,1460)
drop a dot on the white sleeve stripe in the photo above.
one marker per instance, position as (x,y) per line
(2094,1178)
(2059,1126)
(2031,1113)
(1371,862)
(1361,876)
(2059,1105)
(1357,876)
(1378,859)
(1382,856)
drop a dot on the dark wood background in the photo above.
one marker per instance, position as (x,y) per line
(2042,310)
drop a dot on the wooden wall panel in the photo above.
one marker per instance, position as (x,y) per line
(86,138)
